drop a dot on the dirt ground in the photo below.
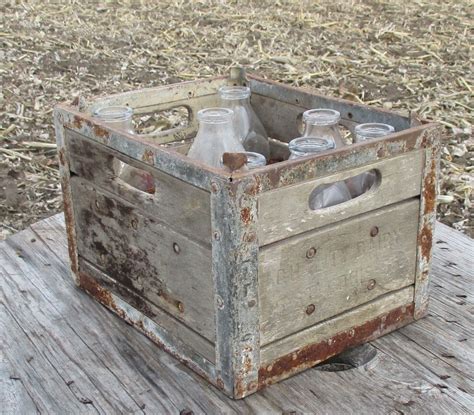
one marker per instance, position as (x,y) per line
(401,55)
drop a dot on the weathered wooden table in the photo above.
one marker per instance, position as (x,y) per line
(61,352)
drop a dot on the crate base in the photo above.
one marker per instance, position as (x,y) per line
(281,368)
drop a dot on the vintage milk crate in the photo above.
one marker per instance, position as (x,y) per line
(232,273)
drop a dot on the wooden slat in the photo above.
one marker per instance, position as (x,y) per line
(339,275)
(285,212)
(403,378)
(150,259)
(181,206)
(329,328)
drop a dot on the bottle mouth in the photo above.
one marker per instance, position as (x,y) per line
(255,160)
(309,145)
(234,92)
(373,130)
(114,113)
(215,115)
(321,116)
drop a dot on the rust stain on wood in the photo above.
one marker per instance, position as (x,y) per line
(312,354)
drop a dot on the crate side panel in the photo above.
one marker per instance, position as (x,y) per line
(147,257)
(183,339)
(179,205)
(322,341)
(306,99)
(315,276)
(285,212)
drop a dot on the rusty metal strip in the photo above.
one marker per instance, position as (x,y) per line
(67,194)
(295,171)
(157,334)
(235,267)
(166,160)
(312,354)
(427,220)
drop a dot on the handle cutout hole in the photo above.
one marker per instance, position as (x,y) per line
(332,194)
(134,177)
(158,121)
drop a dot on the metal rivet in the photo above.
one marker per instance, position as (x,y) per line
(252,303)
(424,239)
(134,223)
(180,306)
(311,252)
(371,284)
(176,248)
(214,187)
(216,235)
(310,309)
(374,231)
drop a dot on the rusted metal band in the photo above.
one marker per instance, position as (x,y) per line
(235,267)
(427,222)
(312,354)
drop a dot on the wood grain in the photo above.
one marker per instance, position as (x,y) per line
(179,205)
(109,360)
(335,269)
(150,259)
(285,212)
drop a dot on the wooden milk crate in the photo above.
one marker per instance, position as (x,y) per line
(232,273)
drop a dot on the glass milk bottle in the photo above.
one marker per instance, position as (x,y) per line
(121,119)
(255,160)
(215,137)
(327,194)
(323,123)
(248,127)
(361,183)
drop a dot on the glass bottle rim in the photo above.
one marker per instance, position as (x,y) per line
(310,145)
(215,115)
(321,116)
(114,113)
(255,160)
(373,130)
(234,92)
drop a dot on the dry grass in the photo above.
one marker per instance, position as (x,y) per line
(397,54)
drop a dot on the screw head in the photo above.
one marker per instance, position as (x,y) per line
(134,223)
(311,252)
(371,284)
(310,309)
(216,235)
(176,248)
(374,231)
(220,302)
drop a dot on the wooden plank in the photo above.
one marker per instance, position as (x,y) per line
(436,372)
(99,342)
(181,206)
(14,396)
(153,261)
(285,212)
(190,342)
(392,384)
(335,269)
(331,327)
